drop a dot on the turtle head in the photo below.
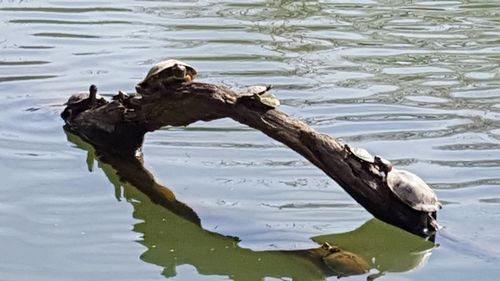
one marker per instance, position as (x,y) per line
(92,93)
(93,89)
(179,72)
(384,165)
(347,147)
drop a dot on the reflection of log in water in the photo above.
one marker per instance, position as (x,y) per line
(129,169)
(173,235)
(121,124)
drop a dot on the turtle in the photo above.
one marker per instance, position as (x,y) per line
(261,94)
(121,96)
(169,71)
(412,191)
(80,102)
(124,99)
(360,153)
(343,263)
(383,165)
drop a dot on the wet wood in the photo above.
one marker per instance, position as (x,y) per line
(120,125)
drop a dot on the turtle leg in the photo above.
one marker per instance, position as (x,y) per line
(433,221)
(256,96)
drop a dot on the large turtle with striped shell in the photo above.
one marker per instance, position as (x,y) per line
(411,190)
(169,71)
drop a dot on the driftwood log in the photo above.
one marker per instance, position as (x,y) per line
(120,125)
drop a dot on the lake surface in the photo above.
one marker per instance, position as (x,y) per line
(417,82)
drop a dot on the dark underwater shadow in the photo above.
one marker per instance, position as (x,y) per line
(172,233)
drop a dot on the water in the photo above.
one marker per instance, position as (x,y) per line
(415,81)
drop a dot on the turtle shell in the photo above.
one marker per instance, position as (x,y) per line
(80,102)
(360,153)
(254,90)
(261,94)
(345,263)
(79,97)
(269,100)
(167,69)
(413,191)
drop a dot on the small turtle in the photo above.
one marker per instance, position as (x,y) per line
(80,102)
(125,99)
(121,96)
(413,191)
(169,71)
(91,96)
(360,153)
(261,94)
(343,263)
(364,156)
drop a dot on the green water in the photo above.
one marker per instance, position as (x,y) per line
(417,82)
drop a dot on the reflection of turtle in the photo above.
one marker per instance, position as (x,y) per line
(386,248)
(413,191)
(343,263)
(82,101)
(169,71)
(260,94)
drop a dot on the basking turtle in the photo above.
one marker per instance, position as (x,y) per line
(91,97)
(343,263)
(364,156)
(169,71)
(126,100)
(80,102)
(260,94)
(360,153)
(121,96)
(413,191)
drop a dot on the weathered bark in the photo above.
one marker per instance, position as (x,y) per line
(120,127)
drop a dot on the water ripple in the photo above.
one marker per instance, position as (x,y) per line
(64,10)
(63,22)
(414,81)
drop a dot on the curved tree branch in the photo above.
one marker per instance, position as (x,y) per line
(120,126)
